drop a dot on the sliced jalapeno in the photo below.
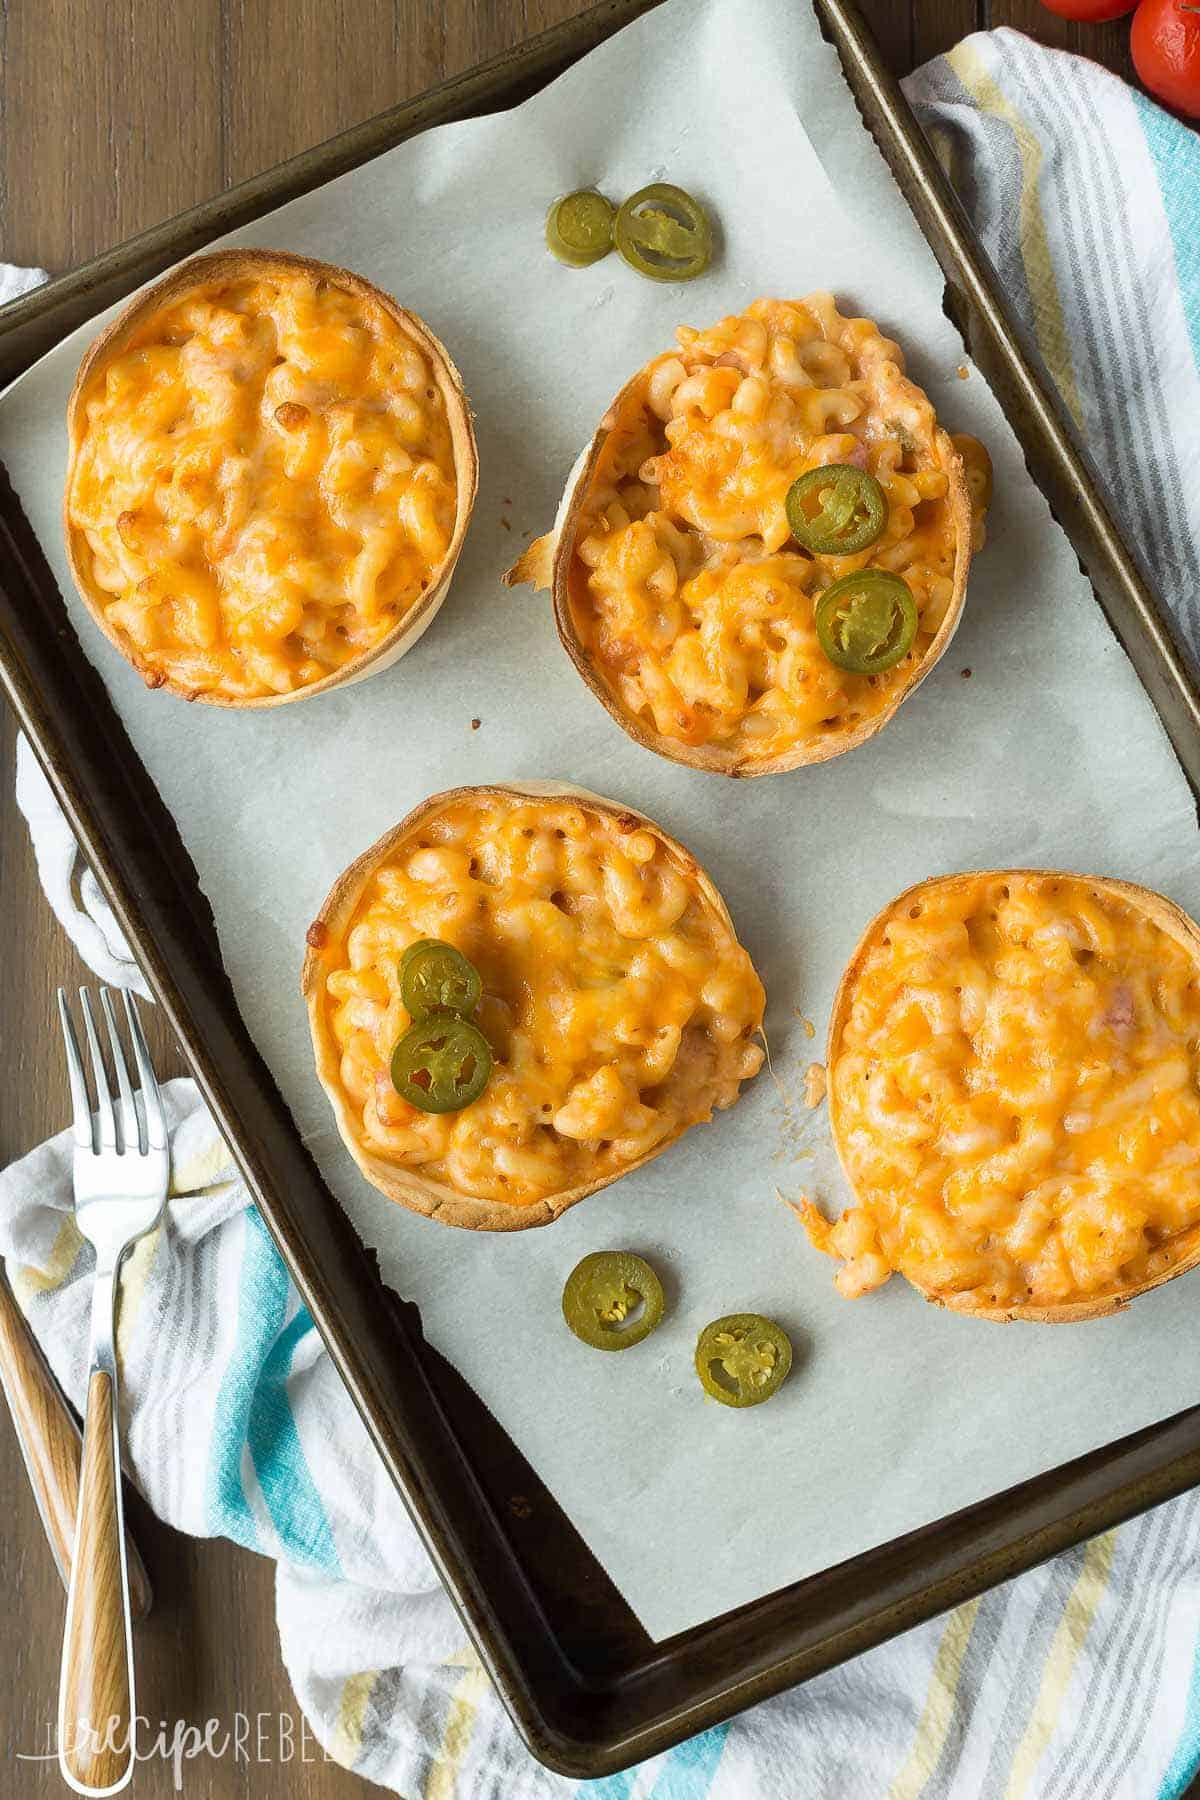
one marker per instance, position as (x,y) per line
(437,978)
(441,1064)
(663,233)
(579,228)
(413,949)
(836,510)
(742,1359)
(612,1299)
(867,622)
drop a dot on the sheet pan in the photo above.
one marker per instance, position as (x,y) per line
(854,51)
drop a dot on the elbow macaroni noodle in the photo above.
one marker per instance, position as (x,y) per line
(1015,1095)
(264,485)
(617,1001)
(695,607)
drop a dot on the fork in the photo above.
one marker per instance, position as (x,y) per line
(121,1173)
(50,1442)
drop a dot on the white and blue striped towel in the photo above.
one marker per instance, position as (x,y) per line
(1081,1679)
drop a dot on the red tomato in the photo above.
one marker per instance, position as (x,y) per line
(1092,12)
(1165,41)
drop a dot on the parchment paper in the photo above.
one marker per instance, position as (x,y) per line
(1049,754)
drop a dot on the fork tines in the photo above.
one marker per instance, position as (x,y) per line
(118,1129)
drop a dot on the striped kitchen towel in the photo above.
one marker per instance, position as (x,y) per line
(1081,1679)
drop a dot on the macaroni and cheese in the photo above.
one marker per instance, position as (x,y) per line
(618,1005)
(271,472)
(680,591)
(1013,1069)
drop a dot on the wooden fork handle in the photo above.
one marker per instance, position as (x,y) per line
(95,1730)
(50,1444)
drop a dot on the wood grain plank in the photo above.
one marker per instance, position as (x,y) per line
(892,26)
(111,120)
(296,71)
(939,24)
(348,60)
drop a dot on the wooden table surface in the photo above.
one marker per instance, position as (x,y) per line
(113,116)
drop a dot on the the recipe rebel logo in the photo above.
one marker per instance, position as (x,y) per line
(247,1740)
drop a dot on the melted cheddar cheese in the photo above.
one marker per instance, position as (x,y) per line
(696,606)
(264,486)
(617,1001)
(1015,1095)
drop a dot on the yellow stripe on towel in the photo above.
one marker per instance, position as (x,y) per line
(135,1271)
(460,1723)
(934,1723)
(27,1281)
(1068,1641)
(345,1745)
(1049,322)
(204,1173)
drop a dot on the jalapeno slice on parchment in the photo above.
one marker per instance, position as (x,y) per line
(579,228)
(663,233)
(743,1359)
(612,1299)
